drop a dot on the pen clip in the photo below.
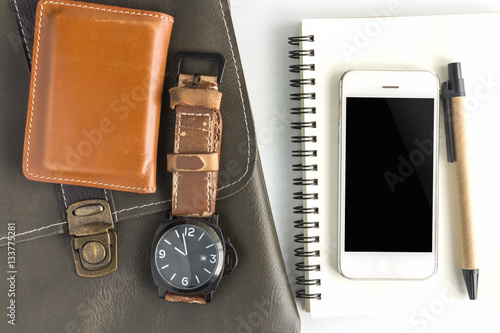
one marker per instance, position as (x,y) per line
(454,87)
(448,126)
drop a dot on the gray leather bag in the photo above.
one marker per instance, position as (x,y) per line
(50,296)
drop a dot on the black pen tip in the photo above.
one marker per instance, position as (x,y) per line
(471,278)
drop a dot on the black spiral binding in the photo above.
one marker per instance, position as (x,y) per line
(301,210)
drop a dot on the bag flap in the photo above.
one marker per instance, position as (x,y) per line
(203,26)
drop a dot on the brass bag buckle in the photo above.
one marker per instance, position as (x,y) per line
(94,244)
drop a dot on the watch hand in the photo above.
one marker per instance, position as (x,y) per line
(185,247)
(179,251)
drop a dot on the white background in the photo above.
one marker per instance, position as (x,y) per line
(262,28)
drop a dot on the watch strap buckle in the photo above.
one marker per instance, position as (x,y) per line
(93,243)
(199,56)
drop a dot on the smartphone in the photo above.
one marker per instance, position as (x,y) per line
(388,174)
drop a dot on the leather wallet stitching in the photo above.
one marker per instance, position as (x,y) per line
(108,10)
(34,90)
(25,42)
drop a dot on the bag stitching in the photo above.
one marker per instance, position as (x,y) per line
(22,30)
(35,230)
(64,196)
(141,206)
(241,97)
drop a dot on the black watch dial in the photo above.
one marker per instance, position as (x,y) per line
(186,256)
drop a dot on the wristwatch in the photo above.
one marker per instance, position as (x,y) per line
(189,253)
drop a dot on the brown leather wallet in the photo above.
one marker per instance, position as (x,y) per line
(95,95)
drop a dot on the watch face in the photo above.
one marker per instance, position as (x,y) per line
(186,256)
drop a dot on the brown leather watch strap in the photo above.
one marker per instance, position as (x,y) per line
(198,128)
(171,297)
(193,162)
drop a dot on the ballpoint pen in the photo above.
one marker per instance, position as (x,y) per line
(454,107)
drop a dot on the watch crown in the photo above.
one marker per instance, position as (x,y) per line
(231,258)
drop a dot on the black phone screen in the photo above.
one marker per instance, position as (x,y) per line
(388,174)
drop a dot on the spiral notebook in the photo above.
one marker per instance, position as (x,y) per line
(325,49)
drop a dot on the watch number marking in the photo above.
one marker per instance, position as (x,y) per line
(213,258)
(183,259)
(185,281)
(189,232)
